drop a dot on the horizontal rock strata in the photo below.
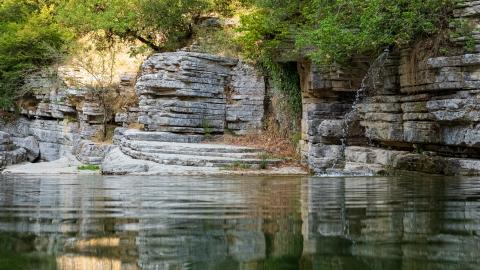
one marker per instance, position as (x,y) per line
(9,153)
(180,150)
(186,92)
(184,97)
(421,113)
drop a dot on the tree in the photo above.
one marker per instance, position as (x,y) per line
(337,30)
(332,31)
(30,39)
(161,25)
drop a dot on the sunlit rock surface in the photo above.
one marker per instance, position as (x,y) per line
(183,97)
(187,92)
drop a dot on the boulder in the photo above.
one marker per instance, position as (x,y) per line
(31,145)
(117,163)
(89,152)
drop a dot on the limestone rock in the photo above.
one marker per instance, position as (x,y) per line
(117,163)
(422,103)
(89,152)
(186,92)
(245,100)
(31,145)
(137,135)
(376,160)
(9,153)
(331,128)
(128,117)
(55,138)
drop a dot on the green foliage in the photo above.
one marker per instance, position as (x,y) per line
(358,26)
(464,29)
(285,79)
(268,26)
(226,7)
(264,31)
(30,39)
(332,31)
(88,167)
(263,164)
(237,165)
(264,157)
(162,25)
(207,128)
(217,41)
(296,138)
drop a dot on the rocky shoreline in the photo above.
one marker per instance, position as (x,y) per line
(413,112)
(184,98)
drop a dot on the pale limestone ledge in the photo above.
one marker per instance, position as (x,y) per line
(117,163)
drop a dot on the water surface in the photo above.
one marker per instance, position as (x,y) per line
(93,222)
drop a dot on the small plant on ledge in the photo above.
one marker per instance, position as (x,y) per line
(207,129)
(88,167)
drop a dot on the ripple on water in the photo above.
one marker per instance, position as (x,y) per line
(93,222)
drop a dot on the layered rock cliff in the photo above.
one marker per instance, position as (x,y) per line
(187,92)
(407,110)
(183,98)
(417,112)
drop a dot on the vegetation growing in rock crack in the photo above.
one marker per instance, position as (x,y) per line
(237,165)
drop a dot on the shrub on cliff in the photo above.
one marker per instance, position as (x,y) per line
(29,39)
(335,30)
(329,31)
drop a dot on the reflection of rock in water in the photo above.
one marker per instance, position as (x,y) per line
(152,223)
(383,224)
(72,262)
(198,223)
(244,227)
(200,244)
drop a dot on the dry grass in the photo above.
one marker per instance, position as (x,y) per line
(136,126)
(7,117)
(125,100)
(106,137)
(275,146)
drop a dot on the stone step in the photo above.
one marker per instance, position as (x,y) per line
(200,153)
(204,154)
(137,135)
(196,160)
(188,147)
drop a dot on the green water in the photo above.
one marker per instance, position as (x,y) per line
(414,222)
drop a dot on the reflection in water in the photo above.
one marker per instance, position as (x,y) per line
(239,223)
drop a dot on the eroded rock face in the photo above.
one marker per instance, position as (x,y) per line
(31,145)
(423,114)
(88,152)
(187,92)
(45,140)
(9,153)
(182,96)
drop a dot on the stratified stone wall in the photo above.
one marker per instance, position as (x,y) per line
(422,115)
(187,92)
(180,93)
(245,96)
(325,105)
(9,153)
(60,114)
